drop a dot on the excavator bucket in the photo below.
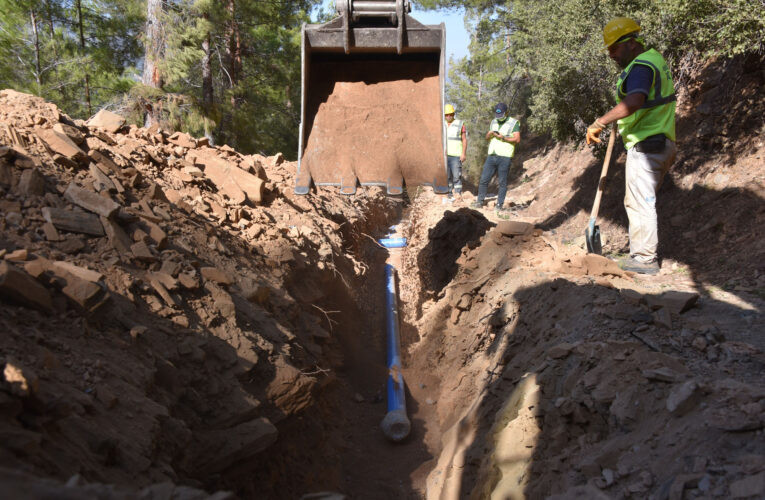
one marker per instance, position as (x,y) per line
(372,100)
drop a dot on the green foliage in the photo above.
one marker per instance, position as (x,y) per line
(255,102)
(51,62)
(554,63)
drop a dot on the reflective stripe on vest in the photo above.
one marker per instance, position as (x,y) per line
(657,115)
(454,138)
(502,148)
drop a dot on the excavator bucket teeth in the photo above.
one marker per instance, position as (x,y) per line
(395,185)
(371,105)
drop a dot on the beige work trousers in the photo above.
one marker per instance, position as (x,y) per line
(644,174)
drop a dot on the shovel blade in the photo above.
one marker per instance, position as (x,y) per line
(592,237)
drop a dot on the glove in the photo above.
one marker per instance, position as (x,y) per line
(593,131)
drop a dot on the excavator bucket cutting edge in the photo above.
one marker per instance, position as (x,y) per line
(372,95)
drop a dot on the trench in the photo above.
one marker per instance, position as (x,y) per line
(337,444)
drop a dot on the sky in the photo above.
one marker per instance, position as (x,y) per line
(456,36)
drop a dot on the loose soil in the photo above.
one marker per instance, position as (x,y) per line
(233,347)
(374,120)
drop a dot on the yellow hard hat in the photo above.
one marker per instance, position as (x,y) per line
(448,109)
(617,28)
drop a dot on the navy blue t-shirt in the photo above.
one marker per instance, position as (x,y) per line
(639,80)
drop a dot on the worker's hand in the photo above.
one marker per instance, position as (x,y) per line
(593,131)
(462,159)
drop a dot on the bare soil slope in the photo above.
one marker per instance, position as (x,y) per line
(564,377)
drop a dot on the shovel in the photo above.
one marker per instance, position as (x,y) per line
(592,232)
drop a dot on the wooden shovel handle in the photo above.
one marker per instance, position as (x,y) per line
(603,173)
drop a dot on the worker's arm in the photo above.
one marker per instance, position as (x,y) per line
(629,105)
(637,85)
(515,138)
(625,108)
(491,134)
(464,144)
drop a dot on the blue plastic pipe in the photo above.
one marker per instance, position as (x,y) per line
(392,242)
(395,425)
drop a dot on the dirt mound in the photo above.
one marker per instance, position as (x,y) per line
(183,296)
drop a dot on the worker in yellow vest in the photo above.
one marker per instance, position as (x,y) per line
(456,146)
(645,115)
(504,133)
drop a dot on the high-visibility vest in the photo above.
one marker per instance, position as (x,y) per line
(454,138)
(502,148)
(657,115)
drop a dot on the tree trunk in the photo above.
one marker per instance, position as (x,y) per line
(234,60)
(38,71)
(234,50)
(153,55)
(207,85)
(82,46)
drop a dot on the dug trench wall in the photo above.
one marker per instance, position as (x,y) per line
(561,375)
(166,310)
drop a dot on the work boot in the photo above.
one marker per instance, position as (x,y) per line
(477,205)
(630,264)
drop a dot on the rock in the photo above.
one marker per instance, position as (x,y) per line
(216,275)
(182,139)
(63,145)
(62,268)
(171,268)
(222,301)
(119,240)
(700,343)
(188,281)
(678,302)
(749,487)
(463,304)
(157,235)
(72,132)
(663,374)
(20,287)
(232,181)
(111,122)
(22,380)
(663,318)
(85,294)
(91,201)
(19,255)
(227,447)
(101,182)
(680,483)
(162,291)
(514,228)
(142,252)
(76,222)
(684,398)
(31,183)
(561,350)
(166,279)
(104,161)
(631,296)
